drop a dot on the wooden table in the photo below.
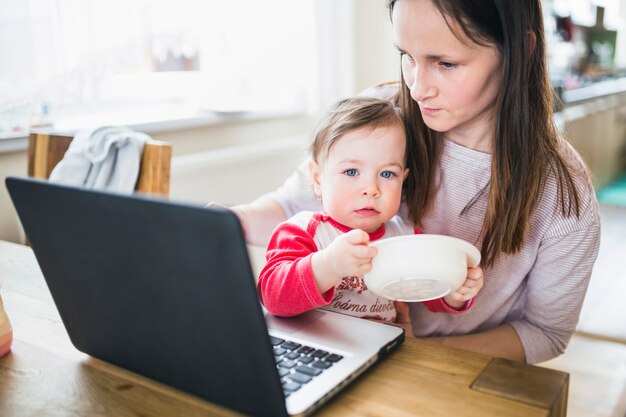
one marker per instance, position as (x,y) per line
(46,376)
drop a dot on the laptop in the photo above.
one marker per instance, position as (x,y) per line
(166,290)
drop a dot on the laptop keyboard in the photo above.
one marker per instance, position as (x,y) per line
(298,364)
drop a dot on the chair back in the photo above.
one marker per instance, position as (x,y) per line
(45,150)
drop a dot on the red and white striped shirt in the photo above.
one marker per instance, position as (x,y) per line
(287,284)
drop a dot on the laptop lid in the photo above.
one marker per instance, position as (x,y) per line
(166,290)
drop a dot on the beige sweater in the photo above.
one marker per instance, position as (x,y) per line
(539,291)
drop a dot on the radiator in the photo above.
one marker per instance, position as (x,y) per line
(235,174)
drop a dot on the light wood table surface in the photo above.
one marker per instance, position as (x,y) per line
(45,375)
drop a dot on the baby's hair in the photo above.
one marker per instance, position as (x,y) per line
(349,115)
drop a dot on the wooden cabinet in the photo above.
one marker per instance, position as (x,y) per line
(620,131)
(582,133)
(597,129)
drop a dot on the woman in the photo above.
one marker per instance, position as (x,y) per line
(476,94)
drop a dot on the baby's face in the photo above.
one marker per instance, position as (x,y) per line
(361,179)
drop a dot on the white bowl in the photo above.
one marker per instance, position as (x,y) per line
(420,267)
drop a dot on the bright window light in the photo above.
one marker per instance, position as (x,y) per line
(62,59)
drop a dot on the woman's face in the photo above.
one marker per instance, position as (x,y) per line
(454,82)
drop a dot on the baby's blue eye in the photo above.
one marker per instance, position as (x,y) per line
(387,174)
(448,65)
(351,172)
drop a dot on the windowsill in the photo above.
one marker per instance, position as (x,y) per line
(148,120)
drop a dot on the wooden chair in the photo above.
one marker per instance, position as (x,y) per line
(45,150)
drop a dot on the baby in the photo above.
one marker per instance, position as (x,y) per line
(358,168)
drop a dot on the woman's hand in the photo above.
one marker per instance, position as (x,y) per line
(473,283)
(348,255)
(258,219)
(403,318)
(240,216)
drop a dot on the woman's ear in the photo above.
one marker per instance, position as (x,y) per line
(314,172)
(531,43)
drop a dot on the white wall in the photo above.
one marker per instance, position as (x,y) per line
(376,59)
(355,47)
(236,162)
(236,174)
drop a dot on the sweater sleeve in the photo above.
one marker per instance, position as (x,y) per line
(556,289)
(286,284)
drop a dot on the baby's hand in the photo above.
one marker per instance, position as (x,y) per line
(349,254)
(473,283)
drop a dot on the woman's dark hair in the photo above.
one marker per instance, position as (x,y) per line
(527,147)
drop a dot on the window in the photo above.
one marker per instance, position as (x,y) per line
(62,59)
